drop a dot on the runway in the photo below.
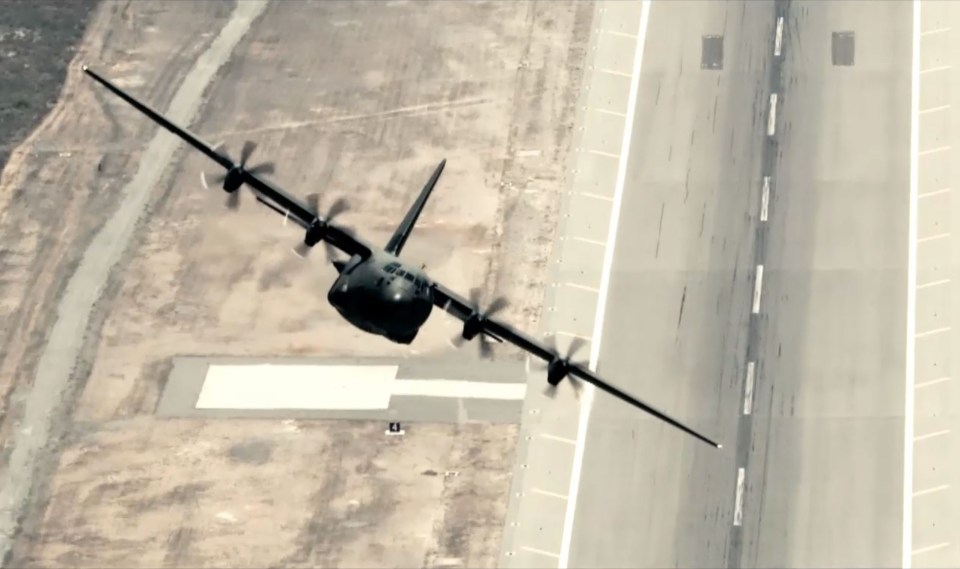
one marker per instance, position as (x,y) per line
(824,475)
(805,280)
(680,293)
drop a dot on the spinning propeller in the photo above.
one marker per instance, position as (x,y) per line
(318,229)
(474,324)
(559,368)
(234,177)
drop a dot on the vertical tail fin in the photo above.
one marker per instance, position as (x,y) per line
(395,245)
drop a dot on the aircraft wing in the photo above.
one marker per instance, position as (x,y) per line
(267,194)
(461,309)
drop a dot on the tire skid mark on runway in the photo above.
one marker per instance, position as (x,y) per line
(757,319)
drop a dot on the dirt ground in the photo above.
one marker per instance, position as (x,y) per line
(349,99)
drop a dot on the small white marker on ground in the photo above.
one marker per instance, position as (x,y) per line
(757,287)
(748,390)
(738,511)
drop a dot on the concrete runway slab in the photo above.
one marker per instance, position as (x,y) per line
(182,393)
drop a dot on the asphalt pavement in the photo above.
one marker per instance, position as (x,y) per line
(760,283)
(824,470)
(678,311)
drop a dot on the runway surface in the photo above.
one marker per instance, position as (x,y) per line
(824,475)
(679,297)
(823,321)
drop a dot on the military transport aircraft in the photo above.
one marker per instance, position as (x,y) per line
(376,290)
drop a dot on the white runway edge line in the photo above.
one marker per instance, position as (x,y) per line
(910,372)
(588,391)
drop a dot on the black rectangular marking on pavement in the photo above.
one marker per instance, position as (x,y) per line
(711,55)
(843,48)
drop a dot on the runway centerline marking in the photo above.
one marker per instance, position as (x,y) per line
(748,390)
(930,548)
(934,331)
(931,435)
(931,490)
(772,117)
(738,510)
(934,150)
(765,198)
(934,193)
(588,391)
(911,359)
(550,494)
(757,288)
(933,237)
(937,381)
(933,284)
(778,42)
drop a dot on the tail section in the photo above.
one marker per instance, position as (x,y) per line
(396,243)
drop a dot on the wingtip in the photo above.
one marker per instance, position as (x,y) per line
(719,445)
(84,67)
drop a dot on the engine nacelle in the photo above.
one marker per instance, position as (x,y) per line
(233,180)
(472,326)
(556,371)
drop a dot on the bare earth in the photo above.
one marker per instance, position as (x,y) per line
(351,99)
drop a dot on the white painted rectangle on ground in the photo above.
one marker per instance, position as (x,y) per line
(460,389)
(267,386)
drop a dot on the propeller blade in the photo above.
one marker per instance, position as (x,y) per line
(233,200)
(265,168)
(301,249)
(575,345)
(497,305)
(248,147)
(313,201)
(486,350)
(218,178)
(338,207)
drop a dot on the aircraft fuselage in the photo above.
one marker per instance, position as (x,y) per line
(384,296)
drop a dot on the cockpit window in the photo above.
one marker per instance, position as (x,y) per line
(408,276)
(389,268)
(401,273)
